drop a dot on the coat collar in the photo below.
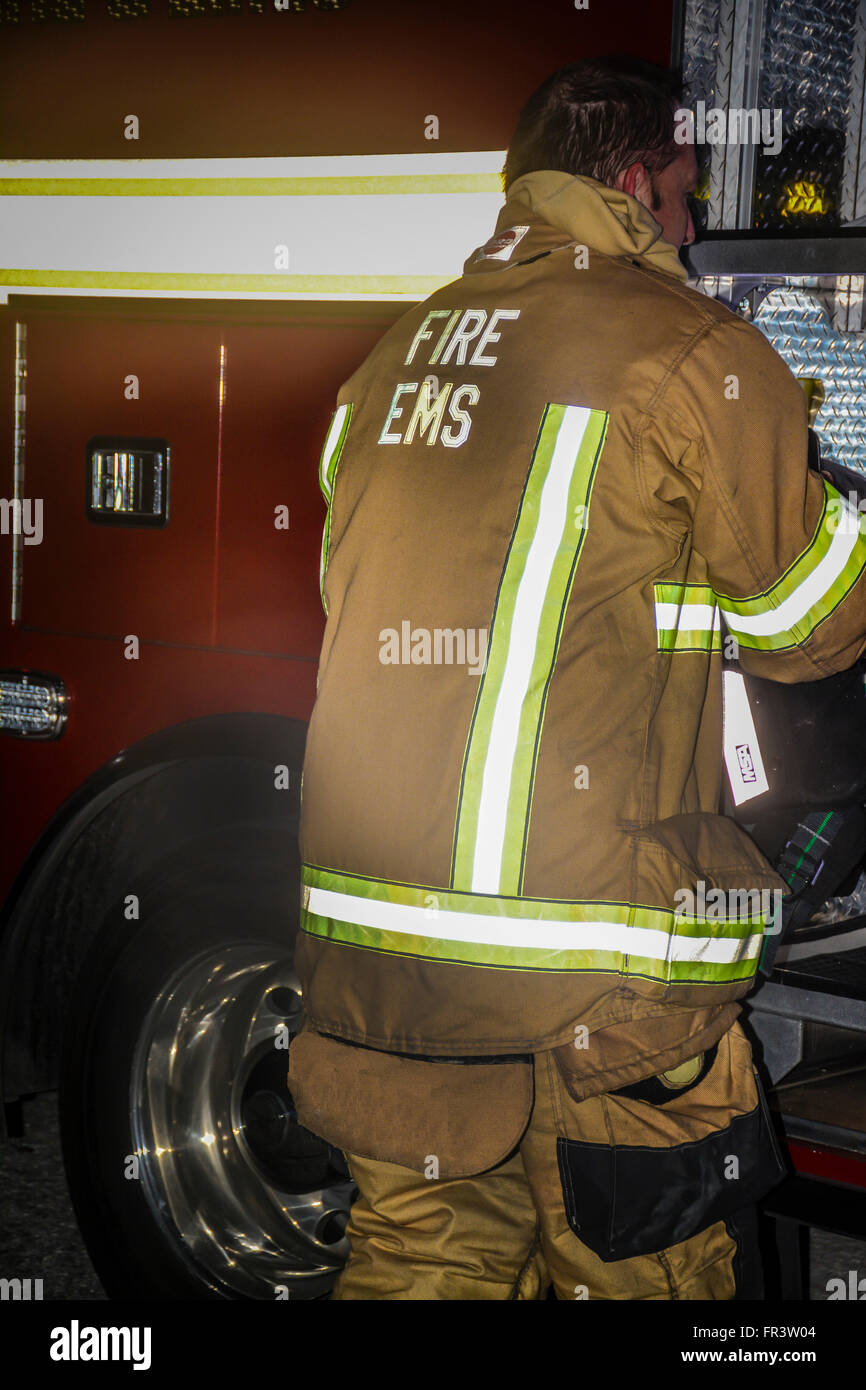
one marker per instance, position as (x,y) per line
(595,215)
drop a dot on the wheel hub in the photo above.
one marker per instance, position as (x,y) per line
(244,1192)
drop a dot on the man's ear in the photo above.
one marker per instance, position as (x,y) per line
(635,181)
(627,178)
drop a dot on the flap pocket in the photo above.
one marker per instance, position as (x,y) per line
(708,871)
(466,1116)
(626,1199)
(626,1202)
(708,847)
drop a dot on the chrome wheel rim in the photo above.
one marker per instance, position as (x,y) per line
(254,1204)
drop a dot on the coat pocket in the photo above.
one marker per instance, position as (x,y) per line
(625,1199)
(701,853)
(722,893)
(467,1116)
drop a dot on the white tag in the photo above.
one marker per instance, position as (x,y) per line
(742,752)
(500,245)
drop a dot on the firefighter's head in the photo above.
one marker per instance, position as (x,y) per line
(612,119)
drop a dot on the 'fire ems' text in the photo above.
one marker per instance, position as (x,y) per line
(461,330)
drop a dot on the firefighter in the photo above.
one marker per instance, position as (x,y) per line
(553,490)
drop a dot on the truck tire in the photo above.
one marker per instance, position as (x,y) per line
(188,1171)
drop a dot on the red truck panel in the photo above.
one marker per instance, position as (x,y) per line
(211,78)
(111,580)
(226,606)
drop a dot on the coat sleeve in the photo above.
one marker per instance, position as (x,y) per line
(785,549)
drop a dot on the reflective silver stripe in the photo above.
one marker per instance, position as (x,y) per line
(530,933)
(328,465)
(794,608)
(687,617)
(525,624)
(333,439)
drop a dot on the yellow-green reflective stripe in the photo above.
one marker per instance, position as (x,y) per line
(818,580)
(328,463)
(687,618)
(303,186)
(539,934)
(538,959)
(332,449)
(502,748)
(688,640)
(799,569)
(670,591)
(415,286)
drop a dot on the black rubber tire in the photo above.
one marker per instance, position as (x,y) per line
(228,891)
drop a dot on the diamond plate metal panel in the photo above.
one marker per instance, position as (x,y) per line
(806,58)
(723,171)
(847,311)
(807,70)
(796,322)
(813,67)
(721,52)
(804,319)
(852,200)
(707,50)
(700,49)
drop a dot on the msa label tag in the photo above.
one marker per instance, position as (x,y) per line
(742,751)
(746,763)
(501,245)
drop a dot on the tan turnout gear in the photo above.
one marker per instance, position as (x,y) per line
(507,1233)
(552,488)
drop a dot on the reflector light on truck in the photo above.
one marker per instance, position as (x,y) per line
(32,705)
(127,480)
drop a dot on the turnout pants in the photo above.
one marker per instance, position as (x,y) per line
(643,1193)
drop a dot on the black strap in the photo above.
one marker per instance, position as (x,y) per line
(823,849)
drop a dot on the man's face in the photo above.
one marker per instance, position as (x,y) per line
(666,194)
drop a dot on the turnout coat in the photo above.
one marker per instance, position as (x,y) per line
(554,489)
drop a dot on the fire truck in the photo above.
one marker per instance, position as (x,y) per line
(211,211)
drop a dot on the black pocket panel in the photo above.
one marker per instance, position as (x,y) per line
(624,1201)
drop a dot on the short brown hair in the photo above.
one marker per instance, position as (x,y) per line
(597,117)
